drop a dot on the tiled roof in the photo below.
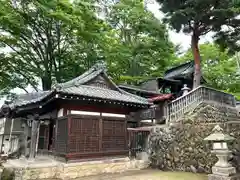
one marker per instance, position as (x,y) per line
(24,99)
(185,70)
(77,86)
(182,70)
(136,88)
(108,94)
(93,72)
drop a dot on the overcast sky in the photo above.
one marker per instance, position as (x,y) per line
(177,38)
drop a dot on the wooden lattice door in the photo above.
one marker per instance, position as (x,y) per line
(114,135)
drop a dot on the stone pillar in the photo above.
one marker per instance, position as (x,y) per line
(35,129)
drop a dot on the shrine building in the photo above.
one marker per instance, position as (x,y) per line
(86,117)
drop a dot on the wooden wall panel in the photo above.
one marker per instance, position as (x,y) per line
(84,135)
(61,135)
(114,135)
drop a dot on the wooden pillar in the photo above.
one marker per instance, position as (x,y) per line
(25,145)
(35,129)
(4,122)
(55,137)
(10,137)
(126,133)
(100,132)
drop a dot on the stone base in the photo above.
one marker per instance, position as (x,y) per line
(50,169)
(219,177)
(223,171)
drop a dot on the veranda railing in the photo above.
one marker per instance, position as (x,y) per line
(177,108)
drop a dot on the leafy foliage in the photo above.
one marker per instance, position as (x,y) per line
(229,36)
(56,40)
(43,38)
(197,17)
(142,46)
(219,68)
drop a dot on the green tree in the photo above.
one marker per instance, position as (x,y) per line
(197,17)
(219,68)
(141,47)
(56,40)
(49,41)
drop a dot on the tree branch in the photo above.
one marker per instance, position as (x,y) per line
(23,89)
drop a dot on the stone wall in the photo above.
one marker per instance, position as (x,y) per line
(180,146)
(77,170)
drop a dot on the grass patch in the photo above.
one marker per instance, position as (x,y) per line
(179,176)
(7,174)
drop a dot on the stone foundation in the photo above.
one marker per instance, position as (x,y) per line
(65,171)
(181,146)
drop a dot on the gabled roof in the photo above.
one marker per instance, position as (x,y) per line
(81,86)
(93,72)
(185,69)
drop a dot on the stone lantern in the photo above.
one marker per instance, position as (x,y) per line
(222,169)
(185,89)
(5,108)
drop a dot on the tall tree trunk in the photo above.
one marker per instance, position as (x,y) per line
(197,62)
(46,83)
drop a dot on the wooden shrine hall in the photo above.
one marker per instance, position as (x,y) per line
(86,117)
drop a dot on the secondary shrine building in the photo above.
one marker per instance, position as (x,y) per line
(86,117)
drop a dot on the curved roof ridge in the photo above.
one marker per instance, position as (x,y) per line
(88,75)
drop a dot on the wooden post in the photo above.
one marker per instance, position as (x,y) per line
(26,129)
(10,137)
(126,133)
(37,141)
(100,132)
(35,130)
(4,122)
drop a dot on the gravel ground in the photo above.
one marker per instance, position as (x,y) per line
(148,175)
